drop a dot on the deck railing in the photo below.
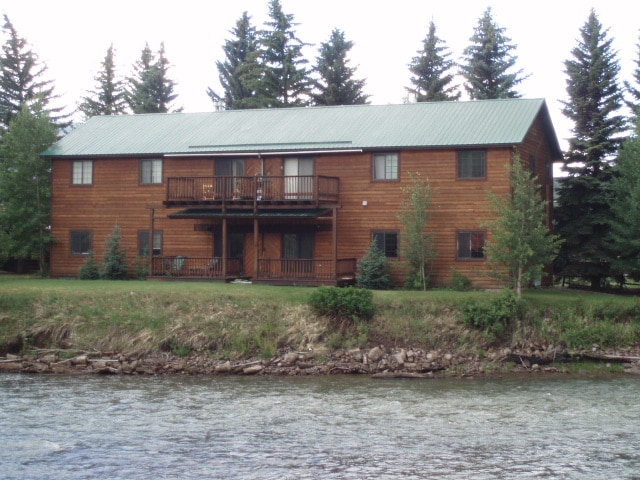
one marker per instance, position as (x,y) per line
(285,270)
(272,189)
(316,270)
(194,267)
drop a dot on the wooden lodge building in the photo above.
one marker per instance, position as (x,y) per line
(290,196)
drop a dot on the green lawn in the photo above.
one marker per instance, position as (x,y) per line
(242,319)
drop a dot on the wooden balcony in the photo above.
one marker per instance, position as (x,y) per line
(276,271)
(257,191)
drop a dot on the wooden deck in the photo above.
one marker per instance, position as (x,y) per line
(267,191)
(276,271)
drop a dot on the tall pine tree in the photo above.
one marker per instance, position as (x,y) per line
(22,80)
(624,238)
(432,71)
(242,69)
(287,81)
(584,204)
(336,85)
(488,62)
(150,90)
(634,89)
(108,97)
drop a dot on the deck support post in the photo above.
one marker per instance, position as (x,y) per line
(224,248)
(334,241)
(256,247)
(152,211)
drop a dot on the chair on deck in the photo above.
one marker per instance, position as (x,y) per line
(208,192)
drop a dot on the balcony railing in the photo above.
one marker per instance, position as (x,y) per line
(274,270)
(308,189)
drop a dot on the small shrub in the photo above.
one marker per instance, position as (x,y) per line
(89,269)
(177,348)
(460,282)
(343,304)
(114,266)
(141,268)
(374,271)
(414,281)
(494,315)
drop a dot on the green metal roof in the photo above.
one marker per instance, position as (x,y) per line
(415,125)
(274,213)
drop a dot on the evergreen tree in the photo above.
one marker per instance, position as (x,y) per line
(584,203)
(373,270)
(90,270)
(418,246)
(114,265)
(149,89)
(241,69)
(624,238)
(286,82)
(108,97)
(25,187)
(432,71)
(21,80)
(634,90)
(488,62)
(336,85)
(520,244)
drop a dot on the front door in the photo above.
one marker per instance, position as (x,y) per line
(298,182)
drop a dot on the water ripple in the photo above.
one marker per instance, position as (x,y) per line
(309,428)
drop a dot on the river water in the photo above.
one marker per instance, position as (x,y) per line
(70,427)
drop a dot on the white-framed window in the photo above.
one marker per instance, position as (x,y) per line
(385,166)
(82,172)
(472,164)
(151,171)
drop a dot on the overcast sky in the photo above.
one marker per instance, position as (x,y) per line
(72,37)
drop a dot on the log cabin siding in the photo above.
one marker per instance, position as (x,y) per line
(365,205)
(117,198)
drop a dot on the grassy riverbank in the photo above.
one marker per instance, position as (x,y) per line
(242,321)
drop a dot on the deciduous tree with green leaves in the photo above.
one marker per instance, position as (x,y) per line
(418,245)
(432,71)
(520,243)
(336,85)
(25,187)
(583,215)
(108,98)
(488,62)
